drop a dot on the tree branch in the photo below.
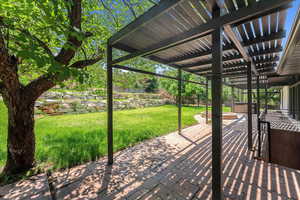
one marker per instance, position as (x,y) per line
(38,86)
(84,63)
(111,13)
(130,8)
(8,68)
(41,43)
(67,53)
(1,87)
(45,82)
(33,37)
(153,2)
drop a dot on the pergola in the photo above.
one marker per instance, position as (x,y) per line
(235,40)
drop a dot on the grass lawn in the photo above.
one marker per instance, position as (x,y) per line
(67,140)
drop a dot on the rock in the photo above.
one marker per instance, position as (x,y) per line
(38,103)
(84,102)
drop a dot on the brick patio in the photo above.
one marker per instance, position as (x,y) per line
(176,167)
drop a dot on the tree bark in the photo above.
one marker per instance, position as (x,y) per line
(21,138)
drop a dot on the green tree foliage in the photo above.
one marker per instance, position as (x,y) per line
(48,42)
(189,90)
(38,30)
(151,85)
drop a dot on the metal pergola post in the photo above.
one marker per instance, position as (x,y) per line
(298,111)
(179,99)
(206,102)
(249,87)
(258,113)
(232,98)
(242,95)
(298,103)
(257,97)
(266,98)
(109,105)
(216,87)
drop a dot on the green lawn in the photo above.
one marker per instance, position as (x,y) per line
(68,140)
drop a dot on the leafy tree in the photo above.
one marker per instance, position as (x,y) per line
(151,85)
(44,43)
(189,90)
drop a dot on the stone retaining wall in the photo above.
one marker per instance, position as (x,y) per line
(55,103)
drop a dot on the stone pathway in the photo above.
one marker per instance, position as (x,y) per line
(177,167)
(36,187)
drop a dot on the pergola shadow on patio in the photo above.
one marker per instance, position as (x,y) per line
(230,40)
(179,167)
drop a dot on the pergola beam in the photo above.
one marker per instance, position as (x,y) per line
(233,37)
(230,47)
(244,81)
(265,38)
(244,69)
(225,66)
(227,47)
(207,62)
(229,75)
(245,86)
(255,9)
(153,74)
(260,71)
(152,57)
(239,64)
(239,73)
(266,60)
(236,68)
(269,12)
(266,51)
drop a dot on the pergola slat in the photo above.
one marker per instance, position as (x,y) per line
(198,54)
(206,62)
(239,64)
(266,51)
(204,29)
(249,42)
(277,9)
(265,38)
(151,14)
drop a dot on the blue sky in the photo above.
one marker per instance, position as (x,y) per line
(290,18)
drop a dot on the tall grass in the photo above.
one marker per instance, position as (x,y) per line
(67,140)
(3,133)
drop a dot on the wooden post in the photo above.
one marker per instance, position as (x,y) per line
(109,106)
(216,88)
(249,87)
(179,100)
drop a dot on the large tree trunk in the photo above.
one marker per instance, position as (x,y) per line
(21,138)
